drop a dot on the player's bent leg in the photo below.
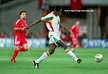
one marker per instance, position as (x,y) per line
(15,53)
(45,55)
(70,53)
(25,47)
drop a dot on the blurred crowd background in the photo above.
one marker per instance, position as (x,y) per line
(92,24)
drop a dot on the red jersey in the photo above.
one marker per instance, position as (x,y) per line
(75,29)
(20,24)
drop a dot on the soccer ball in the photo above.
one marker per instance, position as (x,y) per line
(98,57)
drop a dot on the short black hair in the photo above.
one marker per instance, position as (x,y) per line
(22,12)
(57,8)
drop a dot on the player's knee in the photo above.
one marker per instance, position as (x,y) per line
(18,48)
(26,48)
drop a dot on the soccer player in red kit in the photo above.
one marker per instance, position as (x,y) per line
(19,39)
(74,30)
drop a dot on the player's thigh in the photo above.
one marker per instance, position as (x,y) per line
(54,37)
(24,43)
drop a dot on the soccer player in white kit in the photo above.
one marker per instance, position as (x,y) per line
(52,21)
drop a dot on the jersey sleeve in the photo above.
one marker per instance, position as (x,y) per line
(17,24)
(47,18)
(71,29)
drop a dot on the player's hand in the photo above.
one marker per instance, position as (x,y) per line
(22,28)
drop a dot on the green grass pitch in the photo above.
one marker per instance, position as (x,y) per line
(58,63)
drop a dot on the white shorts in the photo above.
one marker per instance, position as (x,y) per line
(54,37)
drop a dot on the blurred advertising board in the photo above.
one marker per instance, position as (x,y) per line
(32,42)
(95,43)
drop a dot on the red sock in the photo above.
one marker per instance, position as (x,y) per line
(14,54)
(22,49)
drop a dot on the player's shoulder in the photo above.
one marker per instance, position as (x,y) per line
(19,20)
(73,26)
(50,14)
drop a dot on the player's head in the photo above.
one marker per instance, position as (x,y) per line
(77,23)
(23,14)
(58,10)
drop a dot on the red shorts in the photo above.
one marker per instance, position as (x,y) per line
(74,38)
(19,40)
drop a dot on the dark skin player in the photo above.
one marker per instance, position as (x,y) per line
(51,46)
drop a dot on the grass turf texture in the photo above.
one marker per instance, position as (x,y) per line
(58,63)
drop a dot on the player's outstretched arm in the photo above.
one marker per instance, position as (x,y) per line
(32,24)
(17,28)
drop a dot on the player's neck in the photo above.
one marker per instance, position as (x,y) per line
(22,19)
(77,25)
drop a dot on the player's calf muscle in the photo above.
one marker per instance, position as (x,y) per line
(64,46)
(52,48)
(51,51)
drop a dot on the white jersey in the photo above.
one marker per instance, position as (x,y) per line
(52,22)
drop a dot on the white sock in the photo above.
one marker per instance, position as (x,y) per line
(44,56)
(71,54)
